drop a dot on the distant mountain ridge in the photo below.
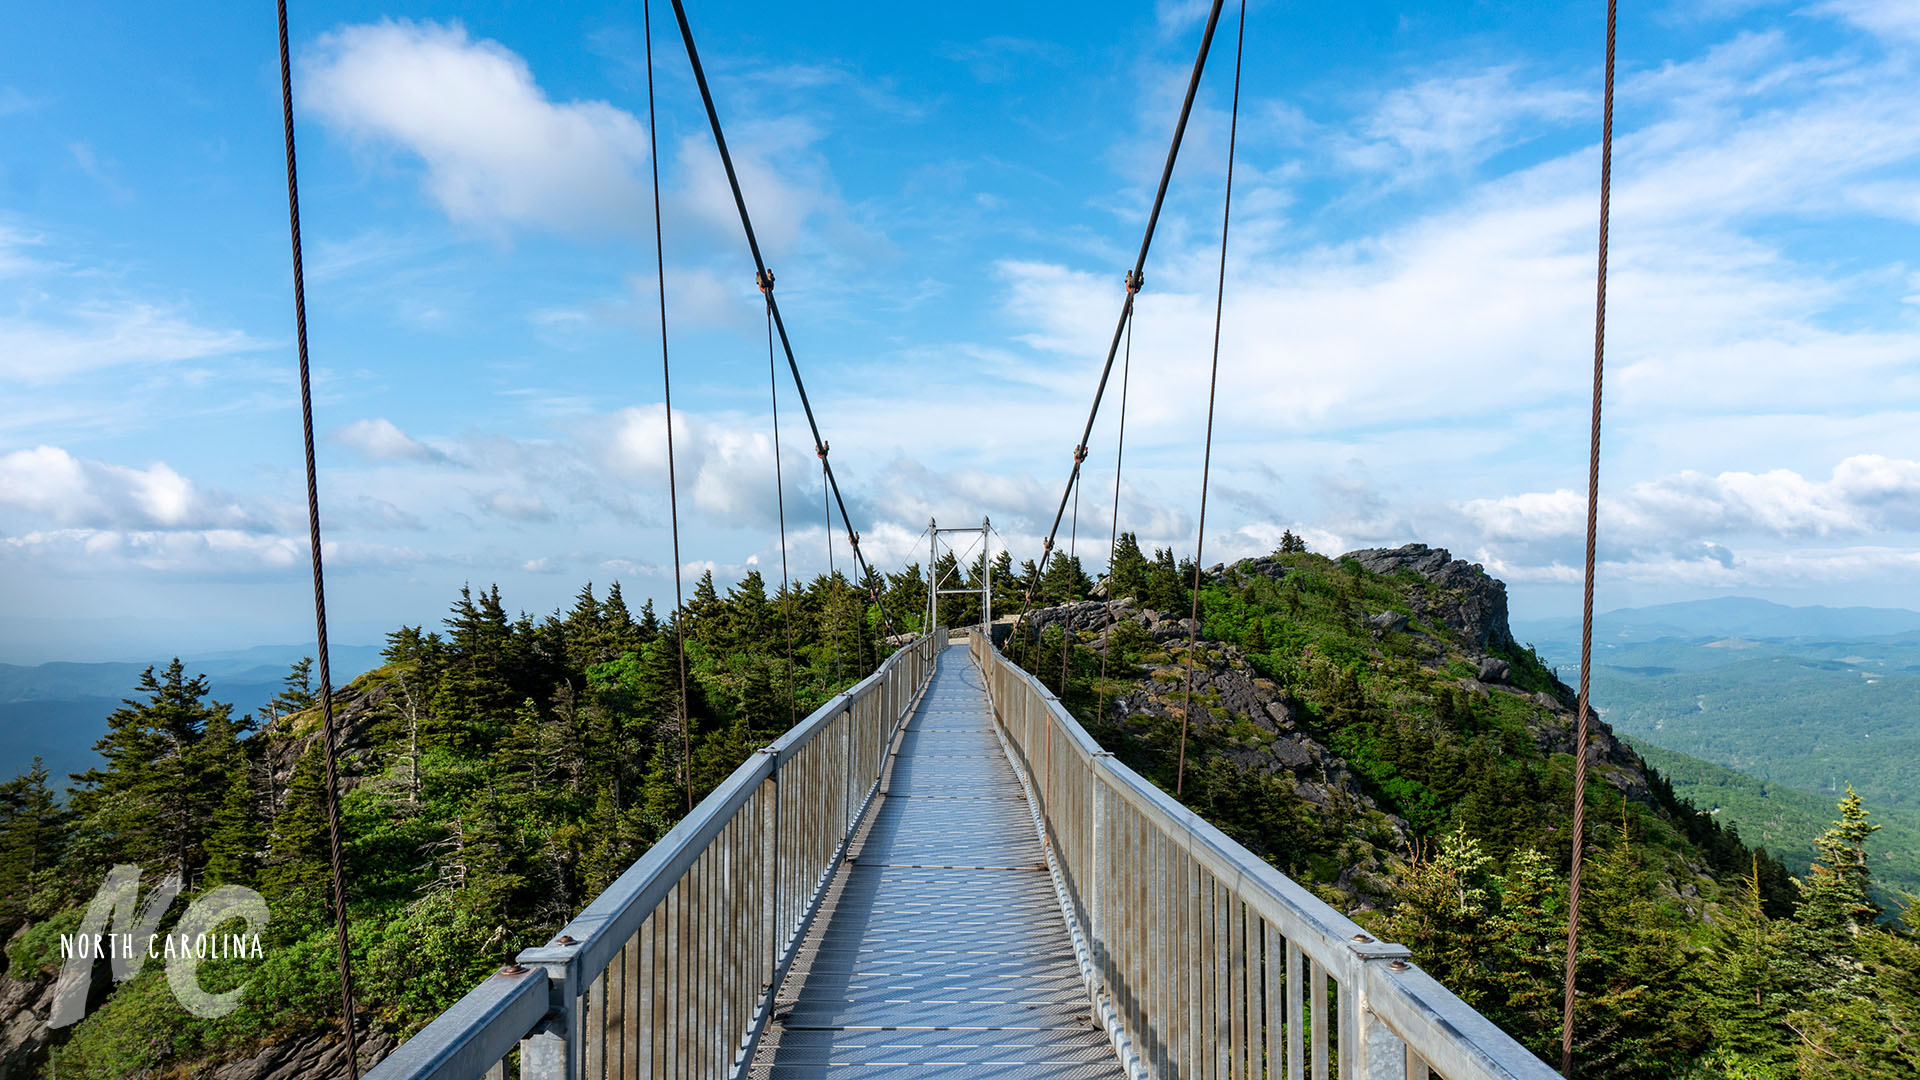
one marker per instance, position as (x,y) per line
(1727,617)
(57,711)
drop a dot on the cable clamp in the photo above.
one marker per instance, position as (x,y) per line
(820,451)
(764,279)
(1079,454)
(853,539)
(1048,546)
(1134,281)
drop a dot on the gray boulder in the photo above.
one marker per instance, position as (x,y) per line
(1457,593)
(1388,622)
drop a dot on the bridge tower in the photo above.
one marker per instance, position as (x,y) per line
(934,591)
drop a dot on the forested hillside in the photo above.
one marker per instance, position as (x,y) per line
(499,772)
(1369,725)
(1786,819)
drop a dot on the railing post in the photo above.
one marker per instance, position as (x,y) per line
(1378,1054)
(552,1051)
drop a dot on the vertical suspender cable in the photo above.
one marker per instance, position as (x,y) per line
(1593,525)
(780,501)
(1206,461)
(666,390)
(773,305)
(1113,539)
(319,578)
(1066,631)
(1126,307)
(833,633)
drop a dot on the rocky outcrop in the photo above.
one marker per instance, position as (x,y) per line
(1458,594)
(24,1035)
(320,1056)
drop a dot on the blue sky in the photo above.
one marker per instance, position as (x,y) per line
(949,197)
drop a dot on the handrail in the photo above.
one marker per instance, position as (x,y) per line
(1207,961)
(672,969)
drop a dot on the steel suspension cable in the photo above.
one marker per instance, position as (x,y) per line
(1593,524)
(327,735)
(1126,306)
(780,500)
(773,305)
(1066,631)
(826,505)
(1213,382)
(1113,539)
(666,388)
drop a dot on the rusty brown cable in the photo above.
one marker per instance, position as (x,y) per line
(1213,381)
(1593,528)
(1113,540)
(666,390)
(334,852)
(780,500)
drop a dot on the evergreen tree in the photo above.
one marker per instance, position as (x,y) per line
(1065,581)
(157,793)
(474,697)
(624,635)
(1008,585)
(1743,996)
(297,693)
(298,861)
(750,622)
(706,613)
(1130,569)
(1256,639)
(32,839)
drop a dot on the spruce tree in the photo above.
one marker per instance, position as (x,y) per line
(1130,569)
(156,795)
(1743,996)
(32,839)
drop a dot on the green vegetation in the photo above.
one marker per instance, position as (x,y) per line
(1785,712)
(1700,957)
(500,773)
(1786,820)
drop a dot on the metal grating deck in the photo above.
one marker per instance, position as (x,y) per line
(939,949)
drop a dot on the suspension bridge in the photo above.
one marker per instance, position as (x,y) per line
(939,873)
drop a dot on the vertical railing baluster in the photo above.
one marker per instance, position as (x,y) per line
(1296,1017)
(1317,1000)
(1276,1018)
(1246,1031)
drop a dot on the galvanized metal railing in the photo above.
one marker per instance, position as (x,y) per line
(670,971)
(1206,962)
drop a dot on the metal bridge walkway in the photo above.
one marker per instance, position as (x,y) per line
(939,948)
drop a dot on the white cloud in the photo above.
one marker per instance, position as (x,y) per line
(223,554)
(496,149)
(1898,20)
(12,101)
(723,466)
(378,439)
(1733,527)
(14,243)
(518,506)
(89,335)
(1455,122)
(52,484)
